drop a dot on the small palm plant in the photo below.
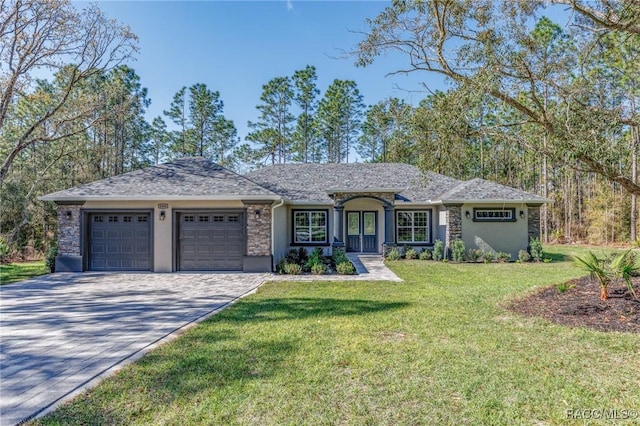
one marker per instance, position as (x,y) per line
(624,266)
(590,263)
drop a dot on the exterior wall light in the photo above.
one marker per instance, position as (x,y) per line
(163,214)
(257,213)
(521,214)
(69,215)
(467,214)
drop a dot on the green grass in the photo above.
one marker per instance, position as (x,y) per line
(436,349)
(12,272)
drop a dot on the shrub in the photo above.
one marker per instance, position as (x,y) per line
(339,256)
(291,268)
(503,257)
(4,249)
(51,256)
(345,268)
(564,287)
(315,259)
(438,250)
(524,256)
(474,255)
(392,254)
(298,256)
(535,248)
(458,251)
(410,253)
(425,254)
(488,256)
(318,269)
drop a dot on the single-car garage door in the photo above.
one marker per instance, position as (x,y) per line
(119,241)
(211,240)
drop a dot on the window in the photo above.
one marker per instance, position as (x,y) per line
(494,215)
(127,219)
(413,226)
(310,226)
(113,218)
(203,218)
(189,218)
(233,218)
(98,218)
(142,218)
(218,218)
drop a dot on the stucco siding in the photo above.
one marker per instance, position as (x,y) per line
(280,233)
(508,237)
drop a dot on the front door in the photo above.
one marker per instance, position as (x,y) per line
(361,232)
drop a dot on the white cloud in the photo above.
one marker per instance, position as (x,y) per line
(289,5)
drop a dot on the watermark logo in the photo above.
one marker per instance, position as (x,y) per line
(602,413)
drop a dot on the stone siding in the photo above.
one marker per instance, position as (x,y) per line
(258,229)
(533,222)
(69,230)
(454,225)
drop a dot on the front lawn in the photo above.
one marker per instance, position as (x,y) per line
(439,348)
(13,272)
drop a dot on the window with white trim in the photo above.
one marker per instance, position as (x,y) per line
(310,226)
(413,226)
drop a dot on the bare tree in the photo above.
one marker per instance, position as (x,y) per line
(40,37)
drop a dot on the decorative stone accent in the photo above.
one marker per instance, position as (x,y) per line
(69,230)
(454,224)
(340,198)
(258,228)
(533,222)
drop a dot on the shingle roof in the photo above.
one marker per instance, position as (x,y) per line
(483,190)
(198,178)
(314,182)
(186,178)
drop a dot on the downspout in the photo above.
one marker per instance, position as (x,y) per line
(273,235)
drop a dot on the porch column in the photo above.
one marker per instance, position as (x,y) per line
(389,234)
(338,226)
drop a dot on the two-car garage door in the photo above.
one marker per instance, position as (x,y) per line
(207,240)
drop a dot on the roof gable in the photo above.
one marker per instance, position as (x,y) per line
(484,190)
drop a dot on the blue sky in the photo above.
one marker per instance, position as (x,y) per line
(235,47)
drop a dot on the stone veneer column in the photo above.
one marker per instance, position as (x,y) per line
(533,221)
(454,225)
(69,258)
(259,257)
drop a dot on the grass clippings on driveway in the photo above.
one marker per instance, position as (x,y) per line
(438,348)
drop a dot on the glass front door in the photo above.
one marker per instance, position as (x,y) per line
(362,232)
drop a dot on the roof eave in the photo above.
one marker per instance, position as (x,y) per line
(495,201)
(222,197)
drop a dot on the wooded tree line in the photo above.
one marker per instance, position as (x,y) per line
(544,108)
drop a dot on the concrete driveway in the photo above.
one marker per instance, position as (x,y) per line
(63,333)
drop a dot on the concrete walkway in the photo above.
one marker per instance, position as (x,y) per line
(61,334)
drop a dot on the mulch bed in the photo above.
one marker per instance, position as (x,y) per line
(581,306)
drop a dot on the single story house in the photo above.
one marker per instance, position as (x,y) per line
(195,215)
